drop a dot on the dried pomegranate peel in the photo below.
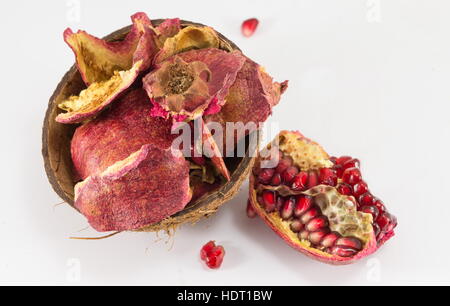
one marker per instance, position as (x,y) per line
(302,199)
(212,255)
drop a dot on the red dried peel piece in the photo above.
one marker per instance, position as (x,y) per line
(117,133)
(250,100)
(167,29)
(146,187)
(325,224)
(192,83)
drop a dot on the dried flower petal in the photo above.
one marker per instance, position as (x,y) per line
(192,83)
(117,133)
(146,187)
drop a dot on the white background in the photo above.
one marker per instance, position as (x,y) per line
(367,80)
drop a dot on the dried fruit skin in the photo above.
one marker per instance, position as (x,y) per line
(135,192)
(117,133)
(327,223)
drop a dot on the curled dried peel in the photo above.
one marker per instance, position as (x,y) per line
(97,59)
(117,133)
(190,37)
(166,29)
(136,191)
(192,83)
(97,96)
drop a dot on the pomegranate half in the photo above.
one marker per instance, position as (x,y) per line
(320,205)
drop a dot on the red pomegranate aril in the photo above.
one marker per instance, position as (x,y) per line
(330,239)
(251,213)
(370,209)
(360,189)
(280,203)
(288,174)
(283,164)
(296,226)
(303,204)
(376,229)
(276,179)
(351,242)
(345,189)
(288,208)
(249,27)
(310,214)
(343,251)
(383,221)
(266,175)
(380,205)
(366,199)
(341,160)
(303,235)
(317,236)
(269,199)
(313,179)
(392,224)
(206,249)
(300,181)
(351,176)
(352,163)
(328,177)
(317,223)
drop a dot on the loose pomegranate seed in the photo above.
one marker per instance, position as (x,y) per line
(345,189)
(330,239)
(343,251)
(317,236)
(351,242)
(310,214)
(288,208)
(269,200)
(317,223)
(300,181)
(313,179)
(283,164)
(276,179)
(249,27)
(366,199)
(251,213)
(351,176)
(265,175)
(212,255)
(296,226)
(289,173)
(360,189)
(303,205)
(327,177)
(370,209)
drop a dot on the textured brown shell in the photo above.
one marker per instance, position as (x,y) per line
(56,139)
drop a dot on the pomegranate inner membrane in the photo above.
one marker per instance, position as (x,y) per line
(319,201)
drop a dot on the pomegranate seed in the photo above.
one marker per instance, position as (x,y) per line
(280,203)
(276,179)
(288,208)
(249,27)
(392,224)
(269,200)
(380,205)
(343,251)
(206,249)
(383,221)
(317,236)
(341,160)
(303,235)
(330,239)
(376,229)
(344,189)
(296,226)
(265,175)
(212,255)
(351,242)
(366,199)
(327,177)
(303,204)
(351,176)
(289,173)
(317,223)
(369,209)
(360,188)
(352,163)
(251,213)
(310,214)
(283,164)
(313,180)
(333,159)
(299,182)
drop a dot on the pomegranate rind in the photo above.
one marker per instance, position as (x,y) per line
(91,101)
(117,133)
(249,101)
(207,75)
(188,38)
(167,29)
(97,60)
(137,191)
(283,230)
